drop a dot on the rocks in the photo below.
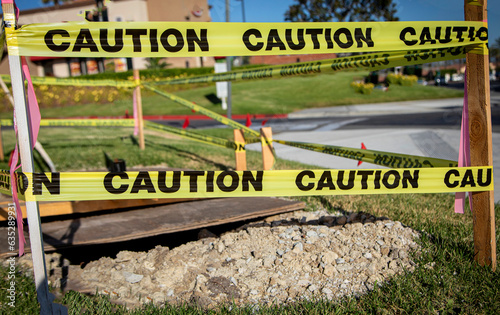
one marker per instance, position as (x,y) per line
(279,260)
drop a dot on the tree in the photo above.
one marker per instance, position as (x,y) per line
(341,10)
(156,63)
(495,51)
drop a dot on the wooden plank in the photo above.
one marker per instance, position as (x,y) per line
(135,224)
(240,154)
(266,135)
(48,209)
(478,88)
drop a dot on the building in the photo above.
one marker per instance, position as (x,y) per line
(117,10)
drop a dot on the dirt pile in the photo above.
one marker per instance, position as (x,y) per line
(282,259)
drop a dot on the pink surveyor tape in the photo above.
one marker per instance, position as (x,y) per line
(464,150)
(136,118)
(34,118)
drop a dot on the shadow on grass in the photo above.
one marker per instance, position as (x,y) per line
(213,99)
(186,154)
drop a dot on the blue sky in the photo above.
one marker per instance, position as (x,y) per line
(273,11)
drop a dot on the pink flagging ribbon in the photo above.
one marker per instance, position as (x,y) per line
(34,118)
(464,150)
(136,118)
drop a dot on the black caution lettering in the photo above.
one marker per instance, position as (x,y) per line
(84,40)
(468,179)
(103,38)
(299,179)
(193,179)
(314,32)
(246,39)
(53,186)
(193,38)
(49,40)
(234,181)
(153,40)
(360,37)
(249,179)
(350,181)
(343,38)
(162,182)
(300,37)
(274,40)
(408,178)
(403,36)
(387,178)
(178,37)
(108,183)
(325,181)
(138,185)
(447,178)
(364,178)
(136,34)
(480,177)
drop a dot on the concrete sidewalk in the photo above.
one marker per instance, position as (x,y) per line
(438,143)
(407,107)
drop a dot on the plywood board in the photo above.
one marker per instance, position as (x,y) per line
(135,224)
(48,209)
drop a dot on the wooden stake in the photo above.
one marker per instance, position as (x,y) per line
(478,89)
(266,136)
(137,78)
(240,153)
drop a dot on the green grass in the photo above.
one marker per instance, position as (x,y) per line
(272,96)
(454,283)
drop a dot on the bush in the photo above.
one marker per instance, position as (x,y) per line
(399,79)
(363,88)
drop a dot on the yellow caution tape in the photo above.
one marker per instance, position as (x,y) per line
(388,159)
(192,135)
(76,82)
(70,186)
(203,110)
(395,160)
(79,122)
(183,39)
(474,2)
(371,62)
(240,146)
(367,61)
(130,123)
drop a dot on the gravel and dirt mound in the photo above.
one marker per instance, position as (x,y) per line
(281,259)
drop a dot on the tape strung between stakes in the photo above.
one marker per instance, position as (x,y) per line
(188,39)
(72,186)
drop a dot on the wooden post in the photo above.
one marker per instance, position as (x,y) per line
(266,137)
(137,79)
(240,152)
(478,89)
(24,139)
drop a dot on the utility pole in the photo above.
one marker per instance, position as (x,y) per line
(243,11)
(228,62)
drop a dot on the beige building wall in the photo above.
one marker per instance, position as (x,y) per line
(124,11)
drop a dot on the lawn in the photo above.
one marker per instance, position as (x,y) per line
(270,96)
(445,281)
